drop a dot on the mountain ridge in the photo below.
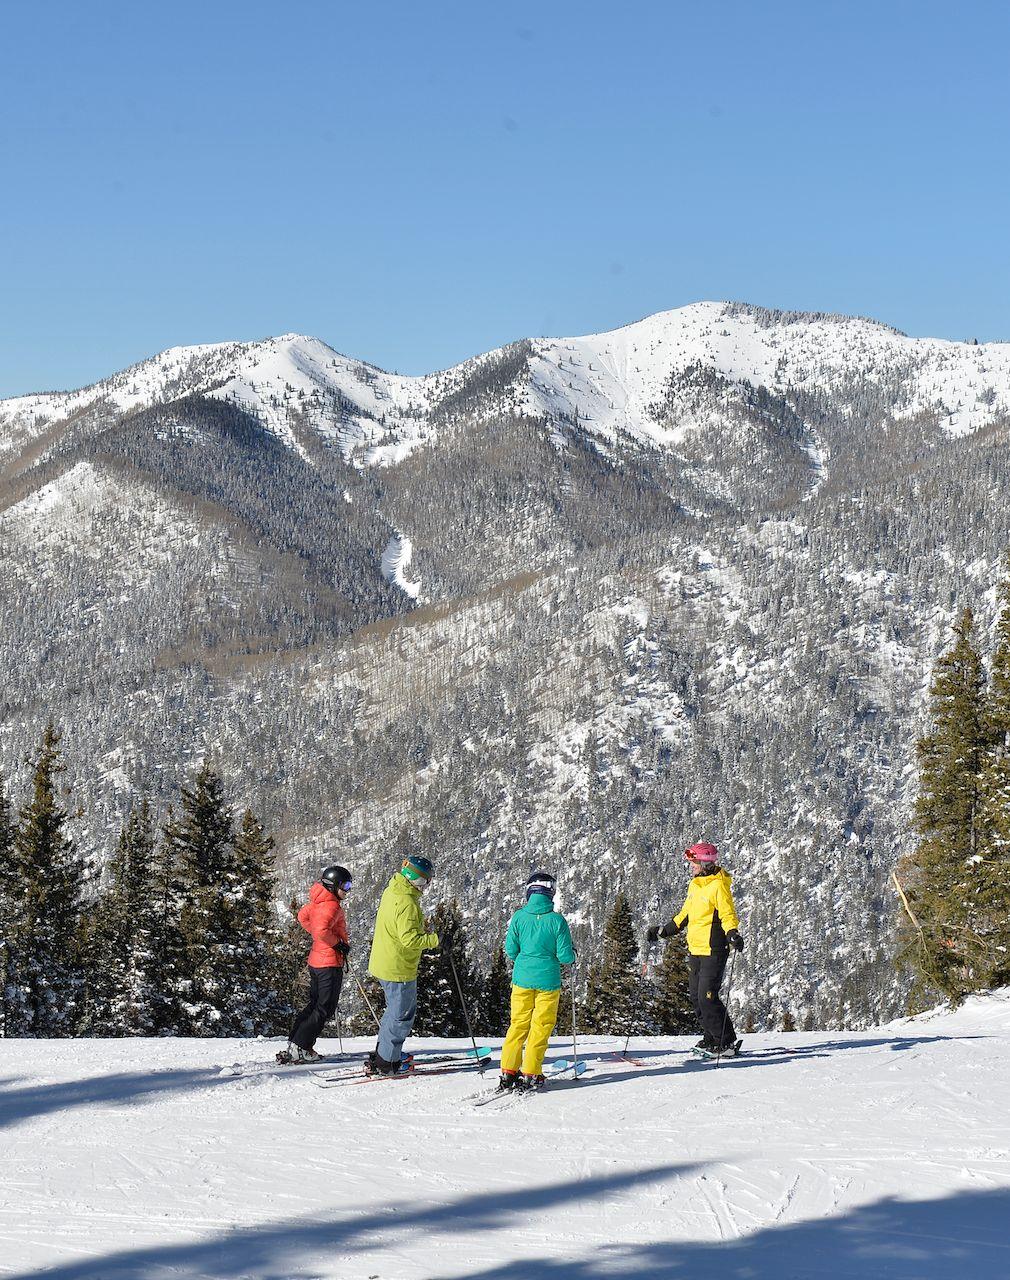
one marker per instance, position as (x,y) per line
(682,579)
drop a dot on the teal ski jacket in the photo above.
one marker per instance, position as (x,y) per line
(538,943)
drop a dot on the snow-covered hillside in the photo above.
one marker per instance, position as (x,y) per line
(612,383)
(880,1154)
(579,600)
(614,379)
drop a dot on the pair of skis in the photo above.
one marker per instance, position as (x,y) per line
(555,1069)
(439,1064)
(718,1055)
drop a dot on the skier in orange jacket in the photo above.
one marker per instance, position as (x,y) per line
(322,917)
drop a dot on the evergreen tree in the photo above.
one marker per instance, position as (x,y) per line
(438,1007)
(47,932)
(496,998)
(261,954)
(672,1007)
(11,993)
(124,982)
(998,709)
(201,845)
(938,873)
(618,997)
(169,957)
(988,943)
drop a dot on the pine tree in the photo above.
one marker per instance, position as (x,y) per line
(169,957)
(438,1007)
(988,950)
(496,998)
(261,1005)
(201,843)
(11,992)
(672,1007)
(937,875)
(618,998)
(124,981)
(51,875)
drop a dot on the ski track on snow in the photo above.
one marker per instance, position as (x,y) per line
(877,1154)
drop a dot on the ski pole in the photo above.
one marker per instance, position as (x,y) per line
(462,1004)
(364,996)
(340,1036)
(575,1041)
(725,1015)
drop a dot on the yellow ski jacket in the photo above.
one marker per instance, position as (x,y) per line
(708,912)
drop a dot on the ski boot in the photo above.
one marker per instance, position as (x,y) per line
(509,1081)
(294,1054)
(375,1065)
(533,1083)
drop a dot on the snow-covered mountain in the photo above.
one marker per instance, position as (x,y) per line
(575,601)
(880,1154)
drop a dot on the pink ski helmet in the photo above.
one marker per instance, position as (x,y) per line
(702,852)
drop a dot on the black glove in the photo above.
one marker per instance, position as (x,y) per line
(652,934)
(734,940)
(344,948)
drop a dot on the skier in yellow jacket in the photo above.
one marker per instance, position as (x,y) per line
(712,928)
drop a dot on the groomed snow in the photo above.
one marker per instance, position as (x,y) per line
(862,1154)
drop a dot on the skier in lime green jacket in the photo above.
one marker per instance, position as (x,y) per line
(538,942)
(399,938)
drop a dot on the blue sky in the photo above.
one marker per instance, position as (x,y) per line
(414,182)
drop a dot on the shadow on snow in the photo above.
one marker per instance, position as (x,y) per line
(20,1102)
(685,1061)
(281,1250)
(947,1239)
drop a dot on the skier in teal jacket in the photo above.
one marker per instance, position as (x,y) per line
(538,942)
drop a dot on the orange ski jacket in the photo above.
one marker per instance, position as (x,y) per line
(324,918)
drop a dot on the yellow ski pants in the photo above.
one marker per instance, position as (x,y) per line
(534,1014)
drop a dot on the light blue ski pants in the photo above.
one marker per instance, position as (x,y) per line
(397,1018)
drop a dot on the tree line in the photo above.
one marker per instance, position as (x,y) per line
(183,932)
(955,885)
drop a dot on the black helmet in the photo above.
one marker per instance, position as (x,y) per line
(334,878)
(541,882)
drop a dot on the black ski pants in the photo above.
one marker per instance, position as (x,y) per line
(706,979)
(324,992)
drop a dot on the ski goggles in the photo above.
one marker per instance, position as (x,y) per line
(345,885)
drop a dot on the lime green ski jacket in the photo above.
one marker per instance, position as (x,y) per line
(399,936)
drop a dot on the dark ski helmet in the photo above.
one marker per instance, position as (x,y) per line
(541,882)
(334,878)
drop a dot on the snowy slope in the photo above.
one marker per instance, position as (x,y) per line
(344,400)
(614,380)
(871,1155)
